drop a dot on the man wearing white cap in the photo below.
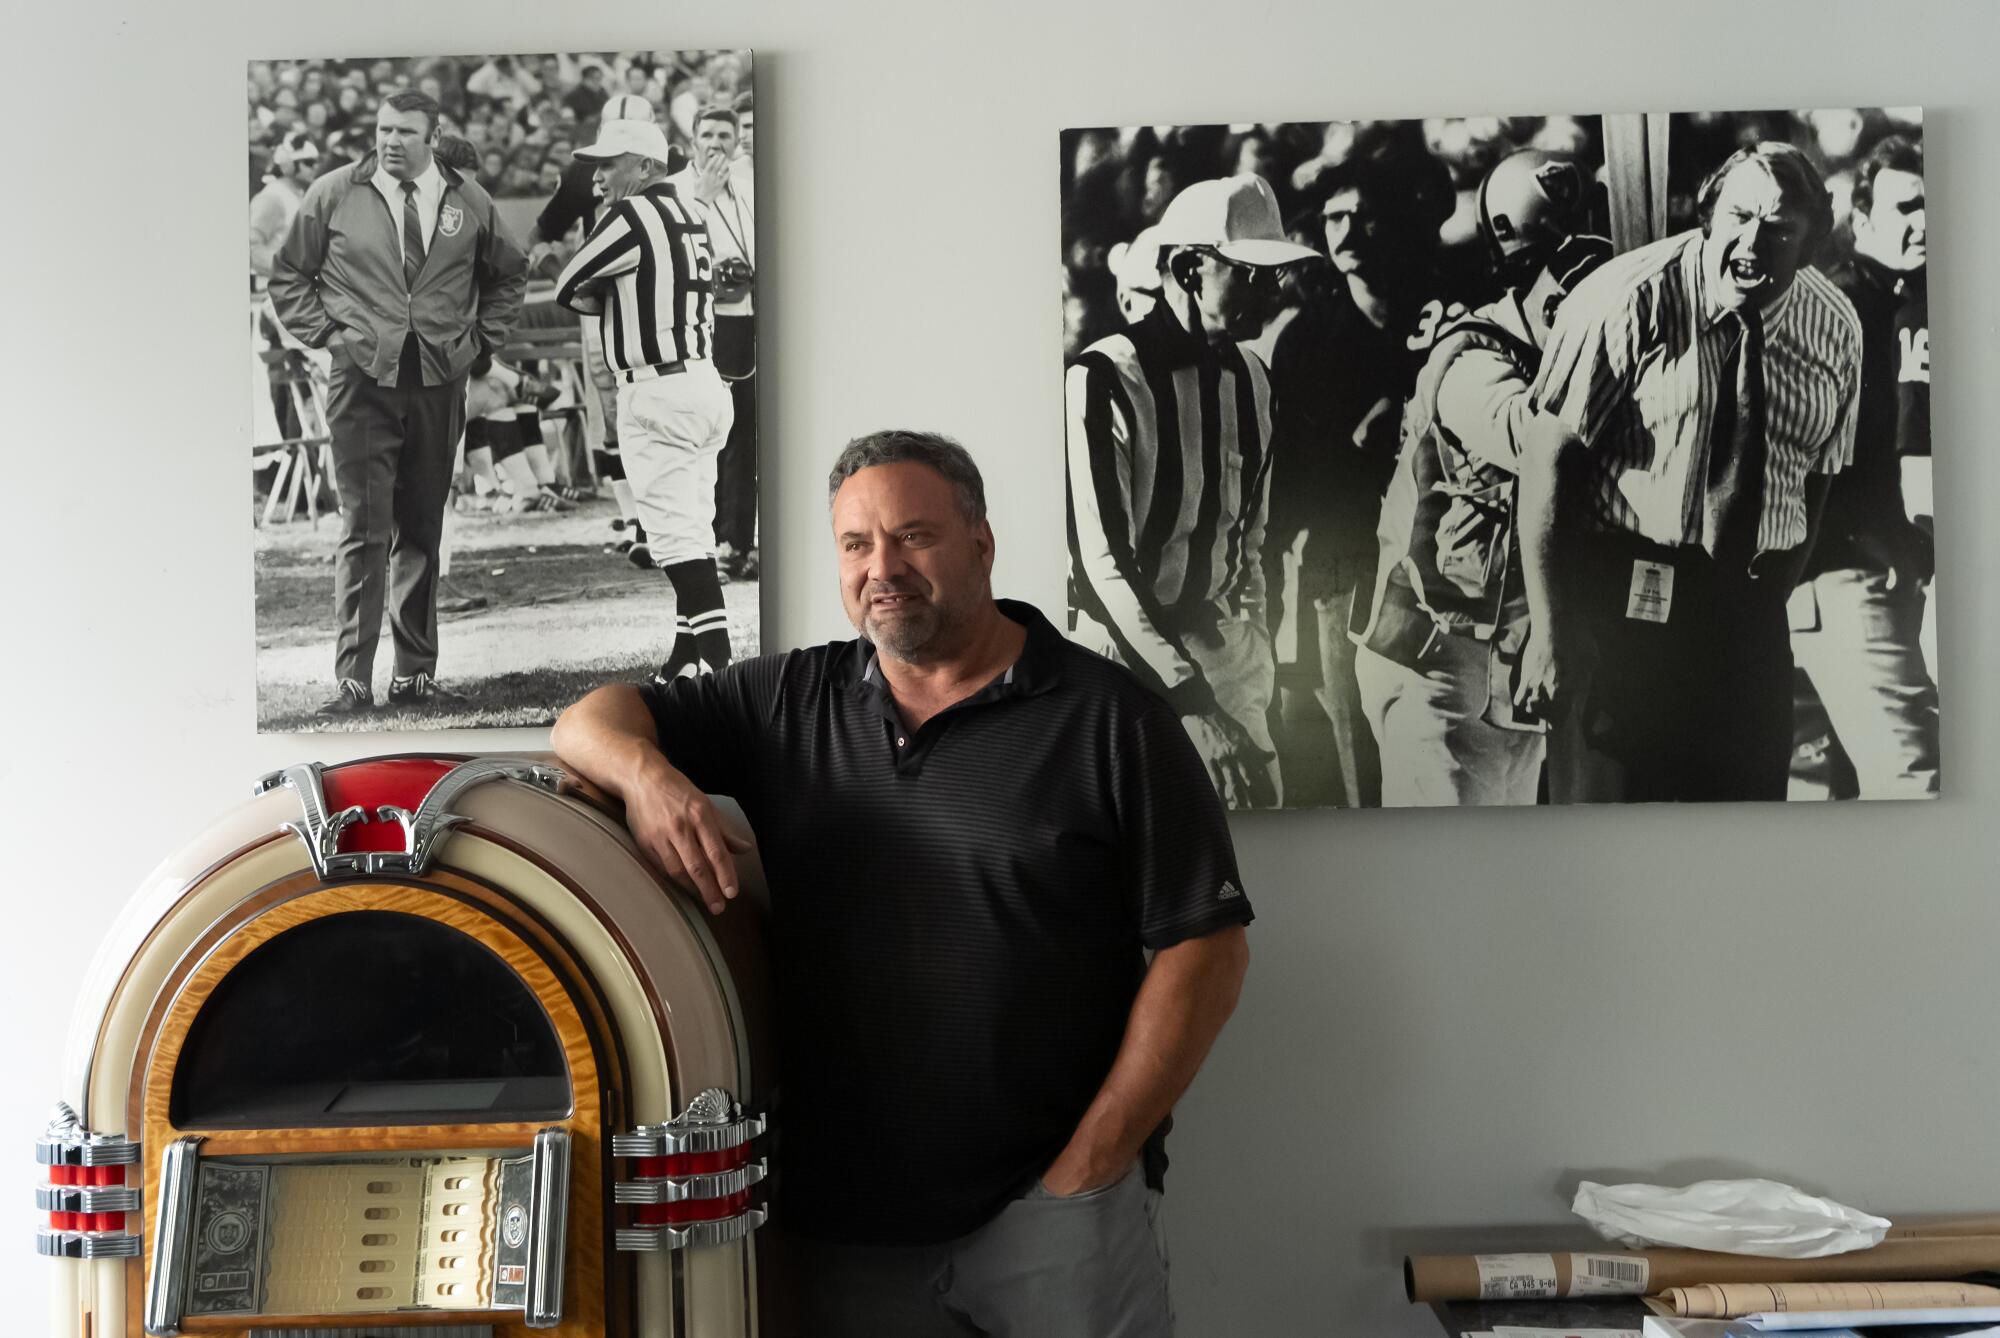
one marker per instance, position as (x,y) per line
(575,200)
(1169,425)
(646,273)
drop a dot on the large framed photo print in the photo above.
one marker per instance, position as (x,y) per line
(502,337)
(1511,460)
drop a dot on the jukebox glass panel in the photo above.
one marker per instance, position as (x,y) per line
(369,1017)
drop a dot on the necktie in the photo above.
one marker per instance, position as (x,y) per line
(1733,505)
(413,235)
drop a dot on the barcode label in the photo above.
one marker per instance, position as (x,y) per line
(1516,1277)
(1608,1275)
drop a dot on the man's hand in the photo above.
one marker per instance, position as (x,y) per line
(1069,1175)
(711,177)
(1235,763)
(1905,552)
(587,298)
(609,739)
(679,830)
(1552,665)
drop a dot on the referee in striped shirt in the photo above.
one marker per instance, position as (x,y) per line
(645,272)
(1708,383)
(1169,429)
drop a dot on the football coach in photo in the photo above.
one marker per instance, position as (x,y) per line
(400,266)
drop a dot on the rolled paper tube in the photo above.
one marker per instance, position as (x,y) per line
(1987,1224)
(1736,1299)
(1456,1277)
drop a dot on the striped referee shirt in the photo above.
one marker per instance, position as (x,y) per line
(1169,488)
(650,252)
(1634,367)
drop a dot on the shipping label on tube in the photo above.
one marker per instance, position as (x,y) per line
(1608,1275)
(1516,1277)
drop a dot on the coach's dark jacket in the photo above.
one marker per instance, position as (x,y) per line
(338,282)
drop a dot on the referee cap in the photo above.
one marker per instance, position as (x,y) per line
(625,107)
(621,137)
(1236,216)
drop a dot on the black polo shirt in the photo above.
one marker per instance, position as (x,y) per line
(960,910)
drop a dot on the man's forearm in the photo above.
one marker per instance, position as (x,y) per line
(608,738)
(1188,993)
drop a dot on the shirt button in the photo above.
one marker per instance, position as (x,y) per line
(900,741)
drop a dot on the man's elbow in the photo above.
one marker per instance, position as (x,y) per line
(589,717)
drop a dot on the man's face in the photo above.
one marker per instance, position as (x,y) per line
(1236,301)
(616,178)
(1892,232)
(749,120)
(404,139)
(636,79)
(1756,240)
(914,572)
(304,168)
(1352,227)
(713,139)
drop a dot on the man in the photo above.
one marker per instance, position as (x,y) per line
(294,163)
(972,828)
(575,201)
(1449,614)
(587,98)
(1708,384)
(1341,370)
(724,185)
(1169,424)
(402,267)
(1858,618)
(646,272)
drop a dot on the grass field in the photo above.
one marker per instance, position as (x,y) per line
(561,615)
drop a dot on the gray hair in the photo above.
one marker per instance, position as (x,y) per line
(900,445)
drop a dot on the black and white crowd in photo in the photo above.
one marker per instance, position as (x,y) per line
(1479,461)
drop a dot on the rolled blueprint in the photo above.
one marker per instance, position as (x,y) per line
(1469,1277)
(1736,1299)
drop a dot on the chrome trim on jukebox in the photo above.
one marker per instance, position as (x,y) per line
(87,1198)
(677,1188)
(425,829)
(693,1236)
(713,1122)
(319,829)
(67,1143)
(549,1228)
(87,1244)
(167,1281)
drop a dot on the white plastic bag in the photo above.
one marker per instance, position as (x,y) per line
(1759,1217)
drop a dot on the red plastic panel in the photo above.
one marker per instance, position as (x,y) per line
(692,1210)
(402,781)
(691,1163)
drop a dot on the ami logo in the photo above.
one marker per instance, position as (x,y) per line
(1229,890)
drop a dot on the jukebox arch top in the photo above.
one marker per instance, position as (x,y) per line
(368,1016)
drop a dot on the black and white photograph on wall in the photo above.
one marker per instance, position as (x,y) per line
(1510,460)
(503,356)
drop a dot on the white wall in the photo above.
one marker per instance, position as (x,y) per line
(1449,1017)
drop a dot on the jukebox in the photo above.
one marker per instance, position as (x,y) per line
(413,1046)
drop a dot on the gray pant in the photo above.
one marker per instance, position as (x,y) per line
(392,459)
(1090,1266)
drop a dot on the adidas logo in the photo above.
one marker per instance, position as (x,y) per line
(1229,891)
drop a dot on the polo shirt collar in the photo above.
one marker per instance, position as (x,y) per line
(1037,670)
